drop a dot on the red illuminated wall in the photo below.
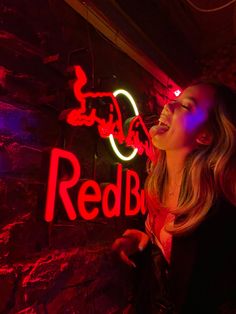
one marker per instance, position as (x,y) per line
(63,266)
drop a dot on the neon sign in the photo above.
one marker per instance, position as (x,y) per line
(102,109)
(111,138)
(89,193)
(109,121)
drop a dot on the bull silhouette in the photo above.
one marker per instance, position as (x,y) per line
(138,137)
(102,109)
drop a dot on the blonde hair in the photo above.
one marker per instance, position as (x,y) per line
(209,172)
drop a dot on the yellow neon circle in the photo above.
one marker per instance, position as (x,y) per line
(111,138)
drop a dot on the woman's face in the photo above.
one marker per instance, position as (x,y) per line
(182,121)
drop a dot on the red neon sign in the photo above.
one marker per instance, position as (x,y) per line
(89,112)
(90,193)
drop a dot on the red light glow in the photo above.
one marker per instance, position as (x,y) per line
(56,155)
(108,121)
(139,197)
(89,192)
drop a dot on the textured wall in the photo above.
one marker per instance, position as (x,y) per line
(221,65)
(64,266)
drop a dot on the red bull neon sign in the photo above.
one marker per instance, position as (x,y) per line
(90,194)
(109,123)
(111,138)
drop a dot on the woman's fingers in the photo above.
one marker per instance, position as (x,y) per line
(118,244)
(126,260)
(115,245)
(119,247)
(143,242)
(130,233)
(130,242)
(141,237)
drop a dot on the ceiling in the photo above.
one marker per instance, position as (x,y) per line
(175,34)
(204,31)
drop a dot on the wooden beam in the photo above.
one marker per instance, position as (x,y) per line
(102,23)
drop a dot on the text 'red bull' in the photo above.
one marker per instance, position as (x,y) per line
(107,117)
(90,192)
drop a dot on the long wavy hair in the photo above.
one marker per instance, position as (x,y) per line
(209,171)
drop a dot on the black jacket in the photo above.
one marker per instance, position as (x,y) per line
(201,277)
(203,264)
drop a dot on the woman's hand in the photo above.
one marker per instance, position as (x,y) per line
(131,242)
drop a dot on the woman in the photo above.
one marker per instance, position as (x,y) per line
(191,199)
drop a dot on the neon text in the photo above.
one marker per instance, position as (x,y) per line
(90,193)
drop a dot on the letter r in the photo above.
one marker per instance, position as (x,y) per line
(56,155)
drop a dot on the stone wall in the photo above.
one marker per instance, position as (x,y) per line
(63,266)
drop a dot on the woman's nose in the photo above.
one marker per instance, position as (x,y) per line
(169,107)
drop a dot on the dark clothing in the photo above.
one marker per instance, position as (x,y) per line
(152,286)
(201,277)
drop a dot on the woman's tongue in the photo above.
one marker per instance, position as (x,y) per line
(161,128)
(158,129)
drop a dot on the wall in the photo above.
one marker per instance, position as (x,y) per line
(220,65)
(64,266)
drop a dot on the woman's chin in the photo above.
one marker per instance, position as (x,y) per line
(158,143)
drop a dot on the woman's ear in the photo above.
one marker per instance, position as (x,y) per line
(204,138)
